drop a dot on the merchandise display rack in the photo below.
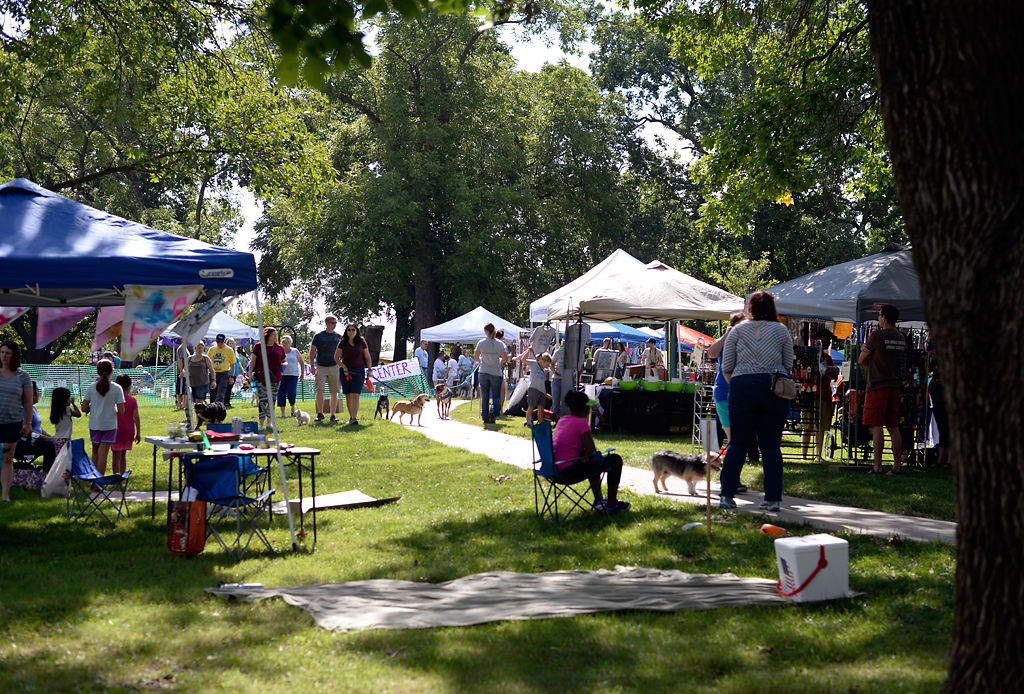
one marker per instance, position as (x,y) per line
(805,408)
(704,398)
(913,411)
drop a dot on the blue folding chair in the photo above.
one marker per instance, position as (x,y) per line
(90,492)
(223,484)
(550,485)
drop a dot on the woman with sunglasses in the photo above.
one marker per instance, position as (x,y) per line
(354,356)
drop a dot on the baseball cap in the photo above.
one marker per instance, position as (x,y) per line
(220,337)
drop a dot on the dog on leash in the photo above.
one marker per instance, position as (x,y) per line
(212,413)
(443,397)
(413,408)
(383,406)
(689,468)
(302,417)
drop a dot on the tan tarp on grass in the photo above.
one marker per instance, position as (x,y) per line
(505,595)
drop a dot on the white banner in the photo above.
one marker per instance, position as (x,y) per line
(196,325)
(396,370)
(148,310)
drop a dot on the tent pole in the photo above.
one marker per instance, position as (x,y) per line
(188,394)
(707,469)
(273,422)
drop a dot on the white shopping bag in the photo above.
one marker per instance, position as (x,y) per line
(55,484)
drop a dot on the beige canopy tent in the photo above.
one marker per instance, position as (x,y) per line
(653,293)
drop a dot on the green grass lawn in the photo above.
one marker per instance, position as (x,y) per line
(917,492)
(87,607)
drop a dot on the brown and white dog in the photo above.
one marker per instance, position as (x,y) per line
(689,468)
(413,408)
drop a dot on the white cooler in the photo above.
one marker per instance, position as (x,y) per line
(798,559)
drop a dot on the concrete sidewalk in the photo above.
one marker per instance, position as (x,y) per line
(518,451)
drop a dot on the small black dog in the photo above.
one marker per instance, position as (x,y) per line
(213,413)
(383,406)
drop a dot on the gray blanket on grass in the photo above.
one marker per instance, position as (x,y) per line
(491,597)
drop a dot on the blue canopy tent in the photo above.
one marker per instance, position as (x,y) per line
(619,332)
(58,252)
(55,251)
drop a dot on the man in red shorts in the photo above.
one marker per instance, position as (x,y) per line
(881,355)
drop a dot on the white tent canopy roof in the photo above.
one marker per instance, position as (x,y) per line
(221,323)
(469,328)
(619,261)
(655,292)
(851,292)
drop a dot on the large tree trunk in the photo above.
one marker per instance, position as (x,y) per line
(426,297)
(951,79)
(402,333)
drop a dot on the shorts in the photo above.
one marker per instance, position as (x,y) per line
(722,409)
(881,408)
(200,392)
(354,382)
(824,417)
(10,432)
(179,386)
(328,374)
(535,398)
(98,436)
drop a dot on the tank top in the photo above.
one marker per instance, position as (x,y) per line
(292,369)
(198,372)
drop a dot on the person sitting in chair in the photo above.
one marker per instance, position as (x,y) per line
(575,452)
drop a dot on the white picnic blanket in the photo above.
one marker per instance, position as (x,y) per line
(490,597)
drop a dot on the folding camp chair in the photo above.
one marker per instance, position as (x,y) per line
(551,485)
(223,484)
(90,492)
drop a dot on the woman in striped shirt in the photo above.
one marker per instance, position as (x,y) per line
(754,351)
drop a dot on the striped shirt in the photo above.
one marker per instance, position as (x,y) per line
(757,347)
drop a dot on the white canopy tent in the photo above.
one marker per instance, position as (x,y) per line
(619,261)
(851,292)
(222,323)
(469,328)
(654,292)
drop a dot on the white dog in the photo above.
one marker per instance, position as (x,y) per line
(301,417)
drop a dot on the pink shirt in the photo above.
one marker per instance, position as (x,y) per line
(567,439)
(126,421)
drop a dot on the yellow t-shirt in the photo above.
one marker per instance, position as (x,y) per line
(223,358)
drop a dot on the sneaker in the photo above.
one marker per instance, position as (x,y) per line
(320,417)
(762,505)
(228,407)
(353,421)
(604,507)
(333,418)
(740,489)
(726,502)
(774,507)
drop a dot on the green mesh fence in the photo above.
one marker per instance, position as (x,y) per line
(154,385)
(151,385)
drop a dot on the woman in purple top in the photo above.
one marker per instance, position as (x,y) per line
(354,356)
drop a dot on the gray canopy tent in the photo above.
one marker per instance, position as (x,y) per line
(851,292)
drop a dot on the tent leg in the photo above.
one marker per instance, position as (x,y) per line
(273,422)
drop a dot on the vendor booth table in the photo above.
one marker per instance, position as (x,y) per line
(302,458)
